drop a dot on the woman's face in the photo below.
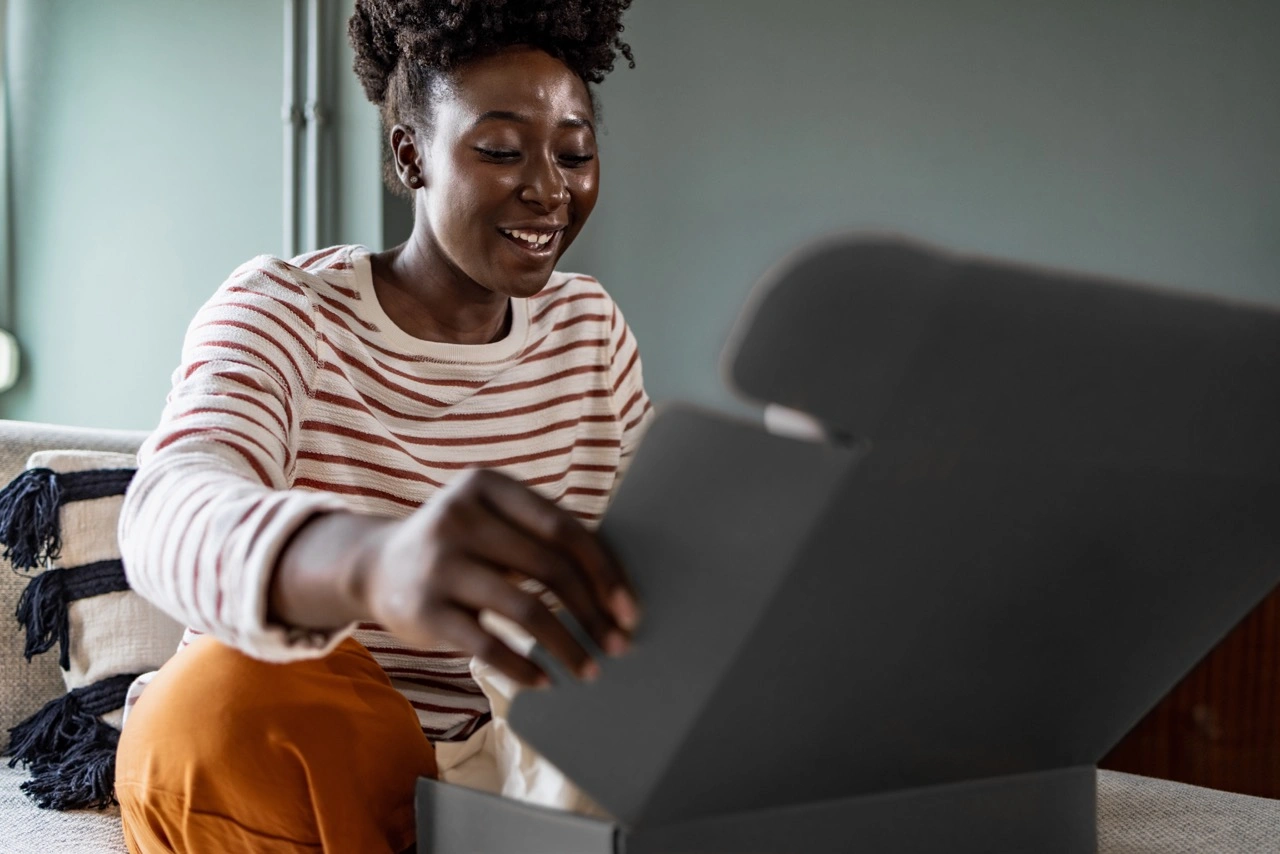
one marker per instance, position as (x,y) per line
(510,170)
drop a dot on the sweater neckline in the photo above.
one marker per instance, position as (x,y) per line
(495,351)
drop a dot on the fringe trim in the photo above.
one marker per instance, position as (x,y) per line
(29,526)
(70,751)
(42,607)
(42,611)
(84,778)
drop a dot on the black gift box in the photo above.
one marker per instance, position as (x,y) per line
(1044,497)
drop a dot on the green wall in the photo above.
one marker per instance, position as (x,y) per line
(146,164)
(1139,138)
(1133,137)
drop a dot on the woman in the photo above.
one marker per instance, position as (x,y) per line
(364,451)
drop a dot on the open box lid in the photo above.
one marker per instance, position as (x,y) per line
(1066,495)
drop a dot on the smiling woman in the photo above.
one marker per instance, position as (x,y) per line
(363,452)
(490,122)
(504,174)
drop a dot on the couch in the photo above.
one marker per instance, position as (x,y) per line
(1136,815)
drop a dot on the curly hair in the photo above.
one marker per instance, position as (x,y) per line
(402,47)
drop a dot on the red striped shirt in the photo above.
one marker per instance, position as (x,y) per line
(295,385)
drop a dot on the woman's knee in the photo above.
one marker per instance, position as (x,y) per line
(222,705)
(267,745)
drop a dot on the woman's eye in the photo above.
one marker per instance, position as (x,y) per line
(501,154)
(577,159)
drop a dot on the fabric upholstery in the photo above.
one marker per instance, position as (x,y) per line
(78,598)
(26,829)
(112,633)
(1141,815)
(25,687)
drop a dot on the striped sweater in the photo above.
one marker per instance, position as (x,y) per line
(297,395)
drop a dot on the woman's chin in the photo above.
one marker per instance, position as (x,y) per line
(525,285)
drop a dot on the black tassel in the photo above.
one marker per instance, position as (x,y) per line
(42,739)
(42,611)
(29,528)
(42,607)
(45,737)
(85,777)
(70,751)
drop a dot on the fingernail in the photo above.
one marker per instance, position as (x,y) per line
(615,643)
(590,672)
(624,608)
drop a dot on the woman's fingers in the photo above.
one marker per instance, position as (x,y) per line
(502,544)
(480,588)
(438,569)
(462,629)
(559,529)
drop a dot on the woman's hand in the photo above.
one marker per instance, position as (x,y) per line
(426,578)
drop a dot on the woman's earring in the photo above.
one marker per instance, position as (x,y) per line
(414,181)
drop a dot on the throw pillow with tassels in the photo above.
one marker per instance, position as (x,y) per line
(58,525)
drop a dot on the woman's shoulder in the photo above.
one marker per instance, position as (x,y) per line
(309,270)
(323,275)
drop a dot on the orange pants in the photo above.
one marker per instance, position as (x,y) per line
(226,753)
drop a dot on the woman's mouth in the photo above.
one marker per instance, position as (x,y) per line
(539,244)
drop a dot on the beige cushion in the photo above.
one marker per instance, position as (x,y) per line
(113,633)
(26,687)
(110,633)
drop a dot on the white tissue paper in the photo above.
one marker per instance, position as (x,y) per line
(495,759)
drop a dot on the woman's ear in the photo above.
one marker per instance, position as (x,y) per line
(408,159)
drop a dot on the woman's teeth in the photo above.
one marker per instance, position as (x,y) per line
(534,239)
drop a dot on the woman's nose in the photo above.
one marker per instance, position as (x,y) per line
(545,185)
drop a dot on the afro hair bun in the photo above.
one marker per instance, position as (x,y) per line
(438,35)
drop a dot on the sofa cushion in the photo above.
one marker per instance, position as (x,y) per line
(28,830)
(1142,815)
(111,629)
(58,522)
(26,686)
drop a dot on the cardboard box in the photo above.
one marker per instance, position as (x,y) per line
(921,635)
(1047,813)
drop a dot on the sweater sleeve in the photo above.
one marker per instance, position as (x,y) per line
(630,401)
(209,510)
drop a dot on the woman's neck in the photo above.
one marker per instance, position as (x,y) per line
(430,299)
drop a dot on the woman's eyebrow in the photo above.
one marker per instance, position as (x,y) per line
(576,123)
(508,116)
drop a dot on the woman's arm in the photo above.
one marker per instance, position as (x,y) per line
(208,512)
(427,578)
